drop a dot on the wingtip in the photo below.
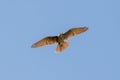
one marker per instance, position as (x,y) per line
(33,46)
(86,28)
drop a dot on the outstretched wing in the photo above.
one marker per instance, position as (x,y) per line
(45,41)
(74,31)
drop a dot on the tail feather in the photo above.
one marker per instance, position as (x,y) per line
(62,47)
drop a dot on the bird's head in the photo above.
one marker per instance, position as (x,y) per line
(61,35)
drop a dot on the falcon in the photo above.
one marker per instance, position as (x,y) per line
(60,39)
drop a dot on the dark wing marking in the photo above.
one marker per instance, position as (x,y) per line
(74,31)
(45,41)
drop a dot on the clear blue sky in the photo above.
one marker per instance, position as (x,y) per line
(93,55)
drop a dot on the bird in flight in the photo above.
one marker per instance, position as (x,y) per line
(60,40)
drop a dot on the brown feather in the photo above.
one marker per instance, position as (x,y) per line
(45,41)
(74,31)
(61,47)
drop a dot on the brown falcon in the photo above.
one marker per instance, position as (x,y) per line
(60,40)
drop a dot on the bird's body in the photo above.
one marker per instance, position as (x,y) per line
(60,40)
(61,43)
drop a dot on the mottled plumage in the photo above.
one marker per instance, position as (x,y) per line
(60,40)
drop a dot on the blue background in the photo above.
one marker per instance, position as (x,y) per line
(93,55)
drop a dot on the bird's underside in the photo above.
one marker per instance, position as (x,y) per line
(60,40)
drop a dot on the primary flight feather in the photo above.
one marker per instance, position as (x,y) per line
(60,40)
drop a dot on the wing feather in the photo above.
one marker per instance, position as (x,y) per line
(74,31)
(45,41)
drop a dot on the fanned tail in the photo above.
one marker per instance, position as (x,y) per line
(62,47)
